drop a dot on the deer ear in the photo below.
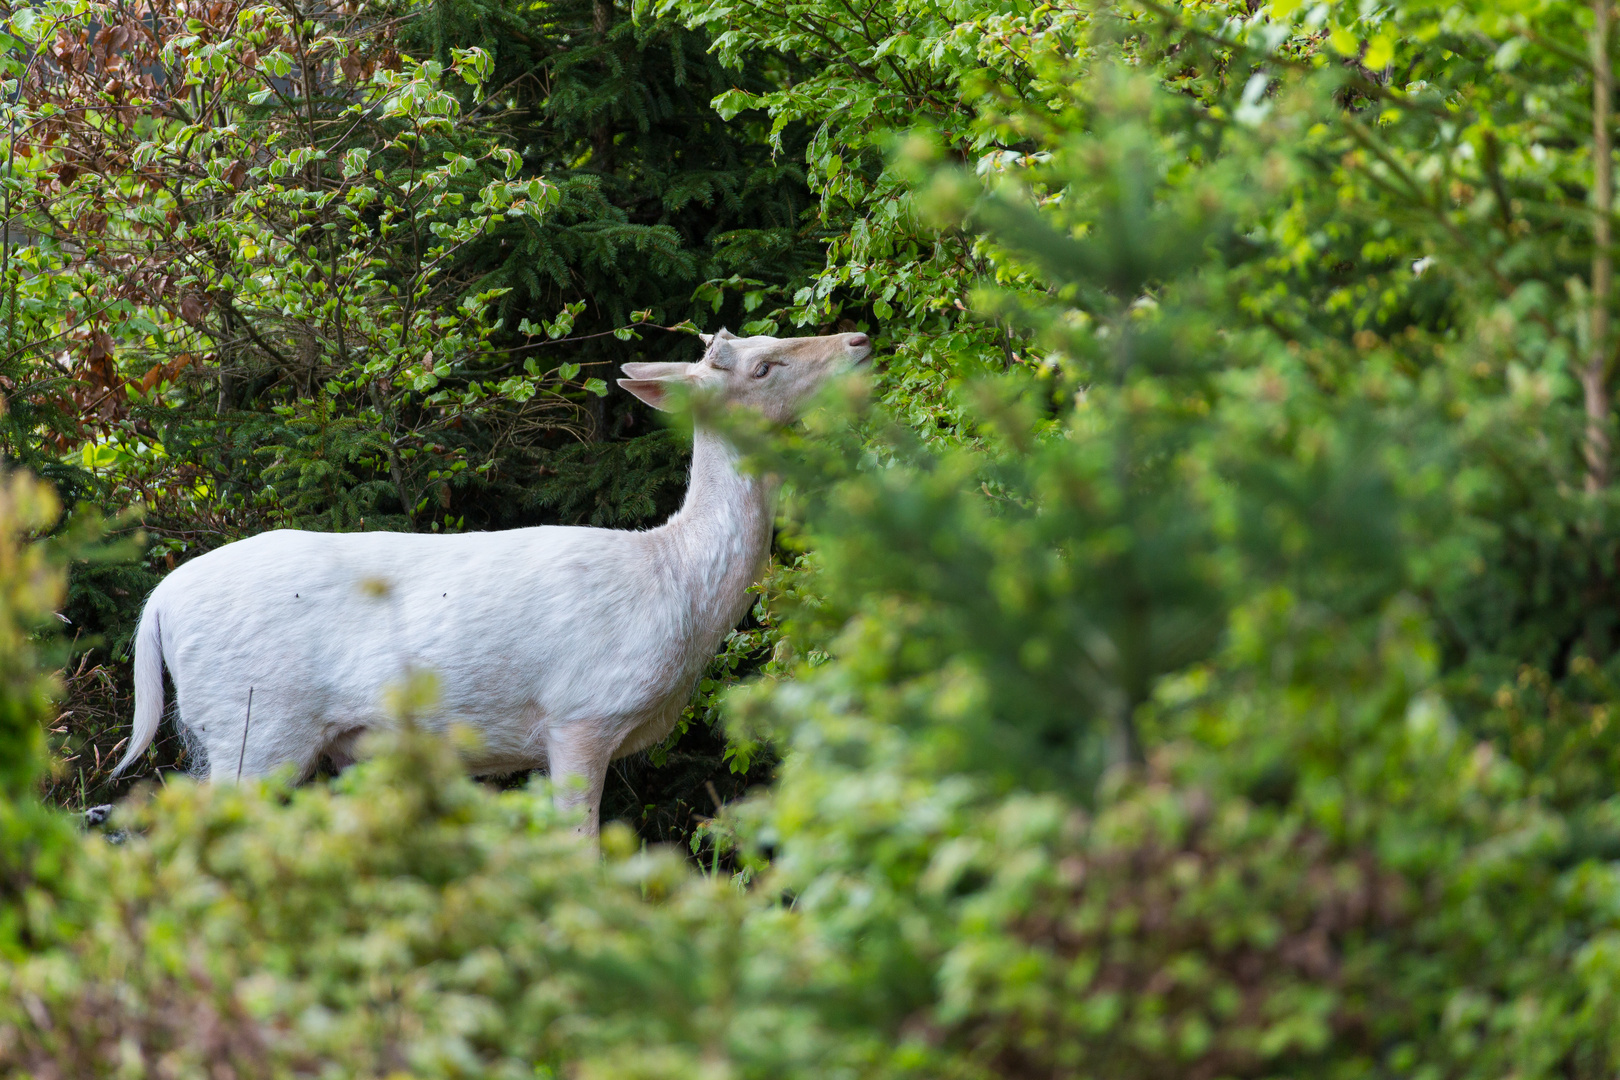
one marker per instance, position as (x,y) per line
(725,335)
(651,381)
(657,370)
(707,339)
(654,392)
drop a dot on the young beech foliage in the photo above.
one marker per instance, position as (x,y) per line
(1220,683)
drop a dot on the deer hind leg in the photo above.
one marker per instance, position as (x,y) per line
(577,757)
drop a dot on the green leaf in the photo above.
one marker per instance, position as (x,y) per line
(1380,51)
(732,102)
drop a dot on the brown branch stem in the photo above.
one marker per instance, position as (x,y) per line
(1595,374)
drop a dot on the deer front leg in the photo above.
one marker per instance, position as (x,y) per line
(577,758)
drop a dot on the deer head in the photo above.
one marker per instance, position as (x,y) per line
(773,376)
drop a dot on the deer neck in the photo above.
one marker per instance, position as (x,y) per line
(720,537)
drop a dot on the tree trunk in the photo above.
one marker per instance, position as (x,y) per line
(1595,376)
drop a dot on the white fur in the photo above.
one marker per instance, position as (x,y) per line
(562,647)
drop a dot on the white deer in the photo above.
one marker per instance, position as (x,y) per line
(562,647)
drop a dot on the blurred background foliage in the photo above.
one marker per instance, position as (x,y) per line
(1192,651)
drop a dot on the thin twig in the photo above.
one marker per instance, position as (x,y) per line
(242,754)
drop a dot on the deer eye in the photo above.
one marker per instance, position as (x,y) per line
(761,371)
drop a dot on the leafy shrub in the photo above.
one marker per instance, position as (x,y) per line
(33,841)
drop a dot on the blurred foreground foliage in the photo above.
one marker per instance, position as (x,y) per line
(1197,655)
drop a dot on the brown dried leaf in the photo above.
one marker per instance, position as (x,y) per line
(101,347)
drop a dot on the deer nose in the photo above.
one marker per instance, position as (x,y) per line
(859,341)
